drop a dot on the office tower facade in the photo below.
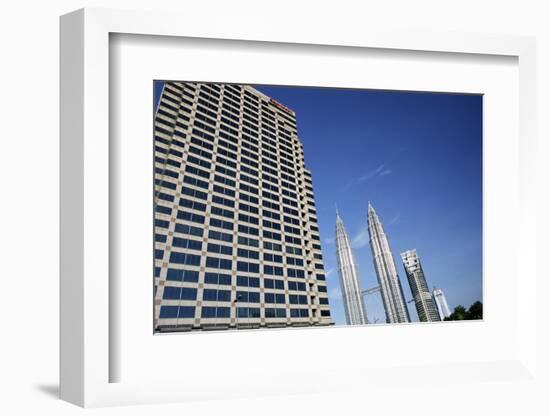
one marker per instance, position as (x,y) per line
(425,306)
(354,306)
(441,303)
(384,265)
(237,243)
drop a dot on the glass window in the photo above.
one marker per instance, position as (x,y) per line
(210,294)
(188,293)
(161,238)
(186,312)
(171,292)
(208,312)
(169,312)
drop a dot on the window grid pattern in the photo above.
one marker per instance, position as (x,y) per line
(230,167)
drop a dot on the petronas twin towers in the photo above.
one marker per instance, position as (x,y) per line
(390,285)
(384,265)
(349,278)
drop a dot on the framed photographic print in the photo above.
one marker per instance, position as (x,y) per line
(291,212)
(237,229)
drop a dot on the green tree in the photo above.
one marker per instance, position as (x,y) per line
(475,311)
(459,314)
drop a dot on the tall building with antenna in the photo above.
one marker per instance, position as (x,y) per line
(386,272)
(441,303)
(425,307)
(354,306)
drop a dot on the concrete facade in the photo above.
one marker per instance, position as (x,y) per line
(237,243)
(386,272)
(441,303)
(354,306)
(425,307)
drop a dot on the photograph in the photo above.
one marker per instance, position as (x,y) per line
(301,206)
(234,208)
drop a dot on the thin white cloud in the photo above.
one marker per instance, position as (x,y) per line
(380,171)
(348,185)
(329,272)
(328,240)
(371,174)
(395,219)
(361,239)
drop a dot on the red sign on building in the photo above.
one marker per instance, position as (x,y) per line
(282,107)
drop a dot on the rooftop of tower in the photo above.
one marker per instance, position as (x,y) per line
(271,100)
(370,208)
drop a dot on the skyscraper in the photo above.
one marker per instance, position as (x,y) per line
(423,301)
(441,303)
(354,306)
(236,237)
(384,265)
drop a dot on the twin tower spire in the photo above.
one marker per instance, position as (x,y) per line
(354,307)
(384,265)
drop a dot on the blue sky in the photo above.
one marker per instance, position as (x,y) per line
(417,157)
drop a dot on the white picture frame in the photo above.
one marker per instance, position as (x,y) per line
(87,356)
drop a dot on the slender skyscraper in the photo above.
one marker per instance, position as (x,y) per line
(390,286)
(441,303)
(423,301)
(349,278)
